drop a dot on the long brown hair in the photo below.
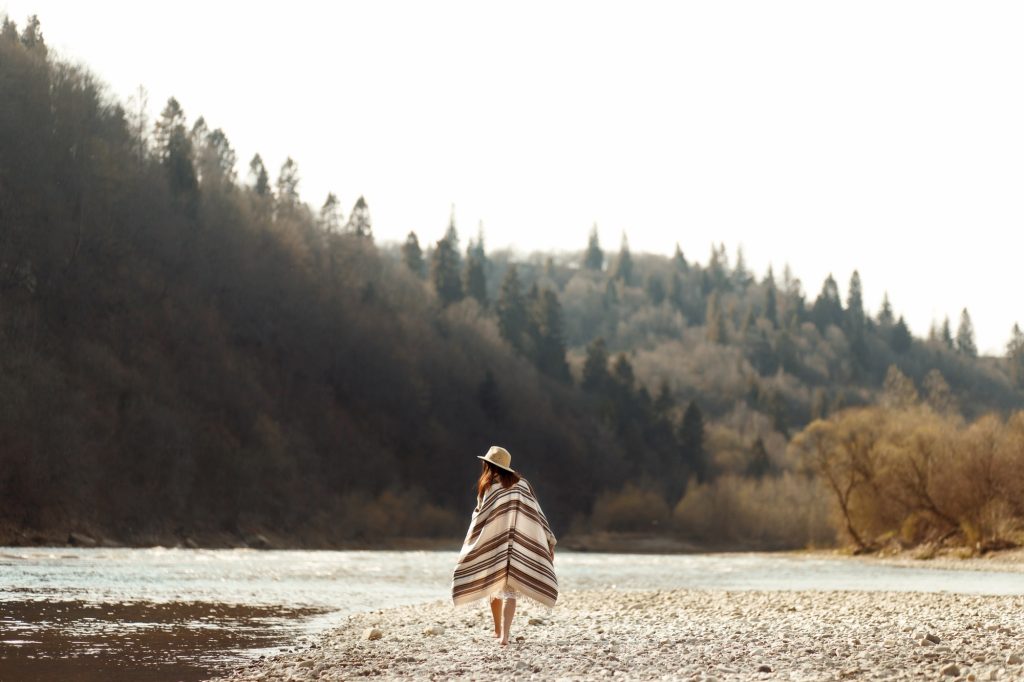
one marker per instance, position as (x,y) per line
(489,473)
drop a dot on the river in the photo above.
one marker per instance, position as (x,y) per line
(180,614)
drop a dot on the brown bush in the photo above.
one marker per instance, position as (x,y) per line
(630,510)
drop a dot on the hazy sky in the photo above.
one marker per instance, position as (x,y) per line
(882,136)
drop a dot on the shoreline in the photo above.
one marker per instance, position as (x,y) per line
(674,634)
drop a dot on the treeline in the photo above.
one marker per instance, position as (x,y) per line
(185,353)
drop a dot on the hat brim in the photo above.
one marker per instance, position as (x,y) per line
(491,461)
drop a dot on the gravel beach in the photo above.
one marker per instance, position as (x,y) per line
(678,634)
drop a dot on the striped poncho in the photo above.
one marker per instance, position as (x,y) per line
(507,548)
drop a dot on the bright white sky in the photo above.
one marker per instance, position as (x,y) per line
(884,136)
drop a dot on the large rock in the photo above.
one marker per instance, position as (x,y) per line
(371,634)
(952,670)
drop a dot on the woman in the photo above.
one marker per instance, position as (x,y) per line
(509,550)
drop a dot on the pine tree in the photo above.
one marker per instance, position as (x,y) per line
(655,289)
(624,263)
(947,334)
(760,464)
(691,442)
(965,336)
(288,185)
(595,367)
(445,271)
(771,306)
(32,36)
(593,259)
(474,279)
(855,305)
(900,337)
(511,308)
(359,222)
(330,216)
(665,401)
(828,308)
(412,256)
(174,149)
(548,337)
(886,318)
(715,320)
(261,180)
(740,275)
(675,292)
(1015,356)
(679,260)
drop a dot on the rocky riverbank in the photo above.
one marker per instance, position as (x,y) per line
(677,634)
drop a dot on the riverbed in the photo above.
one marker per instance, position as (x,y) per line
(180,614)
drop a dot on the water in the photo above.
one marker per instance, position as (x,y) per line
(179,614)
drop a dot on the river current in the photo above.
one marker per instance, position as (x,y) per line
(180,614)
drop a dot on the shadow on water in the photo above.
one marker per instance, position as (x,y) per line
(139,641)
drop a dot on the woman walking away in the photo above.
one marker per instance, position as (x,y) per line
(509,550)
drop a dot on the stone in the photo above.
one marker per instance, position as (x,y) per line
(932,638)
(764,668)
(1014,659)
(76,539)
(371,634)
(433,630)
(535,621)
(952,670)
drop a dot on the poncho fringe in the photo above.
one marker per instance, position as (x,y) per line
(506,548)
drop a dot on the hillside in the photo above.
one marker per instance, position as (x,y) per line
(186,355)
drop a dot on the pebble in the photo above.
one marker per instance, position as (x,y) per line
(675,635)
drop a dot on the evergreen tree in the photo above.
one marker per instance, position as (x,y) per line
(760,464)
(855,305)
(258,173)
(655,289)
(359,222)
(691,442)
(474,279)
(593,259)
(828,308)
(548,336)
(288,185)
(771,306)
(947,334)
(174,149)
(1015,356)
(445,271)
(330,215)
(679,260)
(622,372)
(675,292)
(624,263)
(885,315)
(664,402)
(715,320)
(965,336)
(412,256)
(32,36)
(511,308)
(217,159)
(740,275)
(900,337)
(595,367)
(611,295)
(9,32)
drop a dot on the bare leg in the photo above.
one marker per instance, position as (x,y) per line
(510,610)
(496,613)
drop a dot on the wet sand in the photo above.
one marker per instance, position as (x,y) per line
(138,641)
(677,634)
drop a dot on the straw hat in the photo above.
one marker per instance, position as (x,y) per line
(499,457)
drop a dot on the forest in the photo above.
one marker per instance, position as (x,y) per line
(193,355)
